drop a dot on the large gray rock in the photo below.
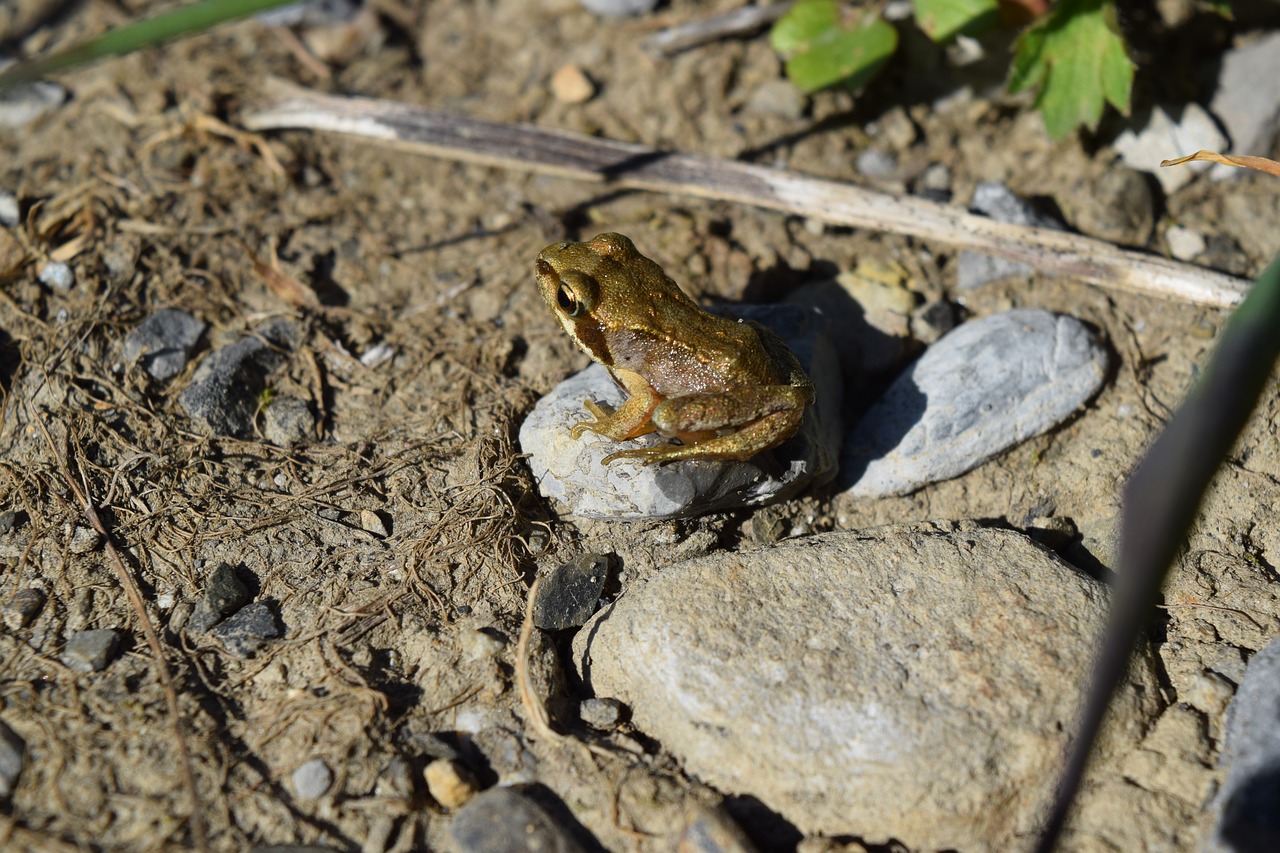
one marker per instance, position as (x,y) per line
(916,683)
(983,388)
(569,471)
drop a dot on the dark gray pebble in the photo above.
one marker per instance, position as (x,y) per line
(23,608)
(224,393)
(570,593)
(162,342)
(246,632)
(224,594)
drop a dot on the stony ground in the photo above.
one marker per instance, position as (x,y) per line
(392,549)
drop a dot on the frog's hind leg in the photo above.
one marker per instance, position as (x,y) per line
(739,446)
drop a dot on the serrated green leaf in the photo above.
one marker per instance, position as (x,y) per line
(942,19)
(1079,59)
(824,49)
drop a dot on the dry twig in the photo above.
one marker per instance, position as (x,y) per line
(628,166)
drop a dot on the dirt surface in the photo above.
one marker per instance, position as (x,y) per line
(395,548)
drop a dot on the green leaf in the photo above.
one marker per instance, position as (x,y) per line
(942,19)
(1079,60)
(824,49)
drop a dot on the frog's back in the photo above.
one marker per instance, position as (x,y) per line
(710,354)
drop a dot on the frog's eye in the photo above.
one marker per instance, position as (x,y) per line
(569,302)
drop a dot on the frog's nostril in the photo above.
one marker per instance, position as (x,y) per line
(544,268)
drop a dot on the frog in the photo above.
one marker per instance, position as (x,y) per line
(719,388)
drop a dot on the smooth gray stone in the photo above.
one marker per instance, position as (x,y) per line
(1247,807)
(1247,100)
(571,592)
(224,392)
(1003,205)
(569,471)
(162,343)
(311,781)
(12,749)
(983,388)
(503,819)
(246,632)
(91,651)
(9,212)
(917,683)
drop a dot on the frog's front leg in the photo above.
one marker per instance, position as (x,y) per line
(631,419)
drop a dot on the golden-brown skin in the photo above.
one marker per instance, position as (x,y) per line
(726,389)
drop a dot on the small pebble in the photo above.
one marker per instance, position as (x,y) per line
(1184,243)
(478,644)
(7,520)
(874,163)
(23,608)
(601,714)
(935,183)
(571,85)
(26,102)
(84,540)
(371,521)
(91,651)
(12,749)
(449,783)
(163,342)
(619,8)
(9,213)
(503,819)
(288,422)
(1052,532)
(931,321)
(246,631)
(570,593)
(377,355)
(311,781)
(58,276)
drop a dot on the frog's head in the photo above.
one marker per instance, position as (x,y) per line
(591,286)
